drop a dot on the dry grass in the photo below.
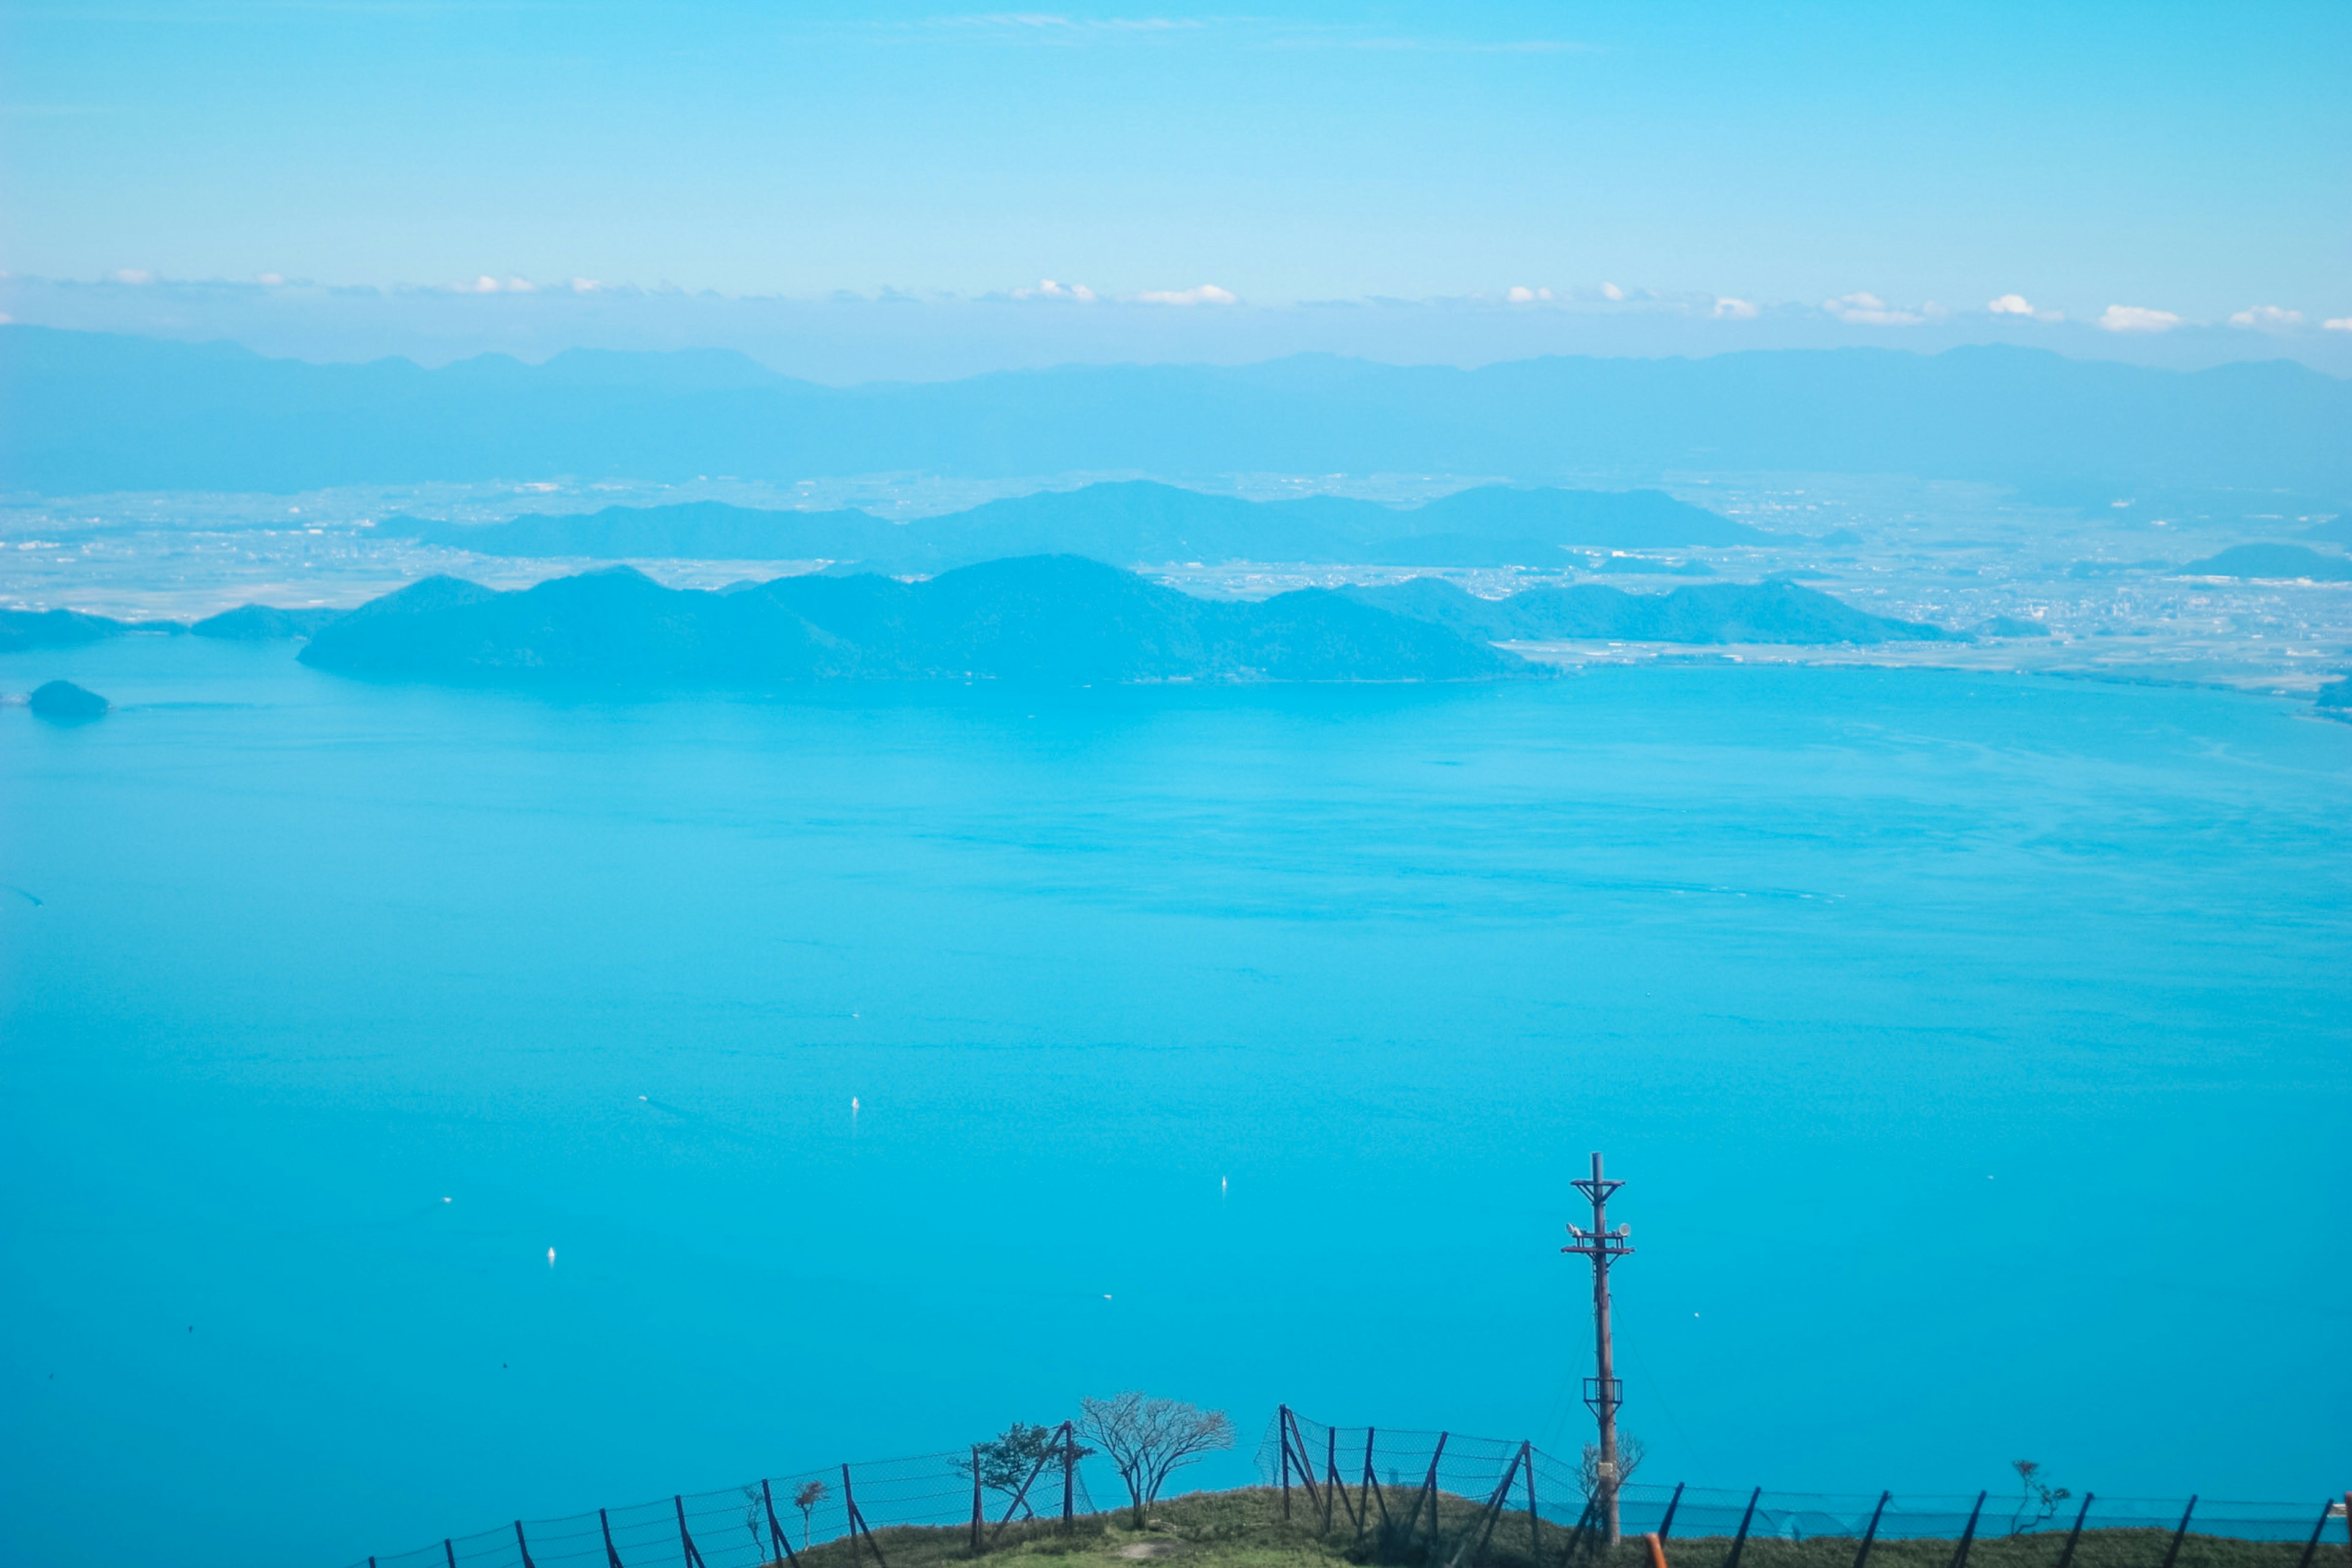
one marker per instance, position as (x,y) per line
(1245,1529)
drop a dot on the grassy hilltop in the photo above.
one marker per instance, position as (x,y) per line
(1245,1528)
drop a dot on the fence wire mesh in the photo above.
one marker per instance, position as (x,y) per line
(1440,1500)
(772,1520)
(1448,1497)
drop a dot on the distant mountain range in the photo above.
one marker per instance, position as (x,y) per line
(23,630)
(1056,618)
(2285,561)
(1134,522)
(1773,611)
(86,412)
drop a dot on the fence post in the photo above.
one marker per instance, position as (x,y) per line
(1428,1490)
(449,1550)
(1331,1472)
(1870,1534)
(1739,1542)
(976,1499)
(1282,1437)
(1666,1525)
(2310,1548)
(2067,1558)
(688,1553)
(1576,1536)
(1534,1521)
(1372,1486)
(611,1558)
(1069,1473)
(857,1524)
(1960,1557)
(777,1535)
(1020,1498)
(1483,1527)
(2173,1551)
(1314,1499)
(849,1515)
(523,1546)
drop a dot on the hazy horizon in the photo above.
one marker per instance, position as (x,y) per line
(739,736)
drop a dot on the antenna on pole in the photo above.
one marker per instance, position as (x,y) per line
(1603,1392)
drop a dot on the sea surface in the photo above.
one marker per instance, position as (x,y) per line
(421,1108)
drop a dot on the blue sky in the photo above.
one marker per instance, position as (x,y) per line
(2184,160)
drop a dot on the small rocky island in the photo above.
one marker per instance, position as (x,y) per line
(65,701)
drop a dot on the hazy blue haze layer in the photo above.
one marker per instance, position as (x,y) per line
(88,412)
(1976,1049)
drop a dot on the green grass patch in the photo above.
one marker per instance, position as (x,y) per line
(1245,1529)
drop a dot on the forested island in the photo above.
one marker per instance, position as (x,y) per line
(1050,619)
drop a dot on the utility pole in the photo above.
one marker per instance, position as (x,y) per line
(1603,1392)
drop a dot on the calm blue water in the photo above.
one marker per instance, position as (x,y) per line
(1976,1050)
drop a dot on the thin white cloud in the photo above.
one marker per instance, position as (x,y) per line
(1448,46)
(1047,289)
(2267,319)
(586,286)
(1612,292)
(2338,323)
(1870,310)
(2018,305)
(271,280)
(1730,310)
(2137,319)
(135,276)
(1052,26)
(1205,294)
(1520,294)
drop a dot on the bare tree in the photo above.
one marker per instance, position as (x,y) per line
(751,1511)
(806,1499)
(1588,1466)
(2035,1502)
(1149,1439)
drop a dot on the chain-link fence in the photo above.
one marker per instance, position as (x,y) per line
(1452,1499)
(1431,1499)
(840,1516)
